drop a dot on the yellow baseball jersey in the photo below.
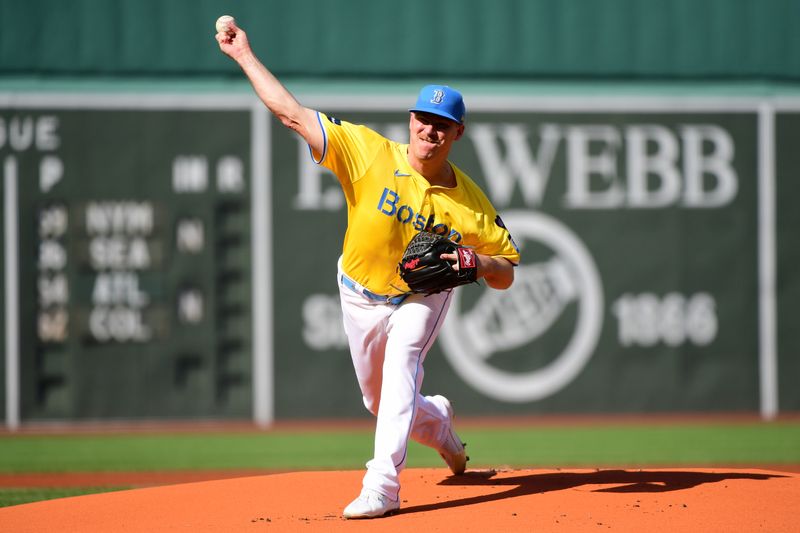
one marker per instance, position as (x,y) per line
(388,203)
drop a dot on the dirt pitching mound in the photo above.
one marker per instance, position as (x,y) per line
(653,500)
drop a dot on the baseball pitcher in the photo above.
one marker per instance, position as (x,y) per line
(417,227)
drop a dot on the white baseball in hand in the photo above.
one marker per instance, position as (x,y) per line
(223,23)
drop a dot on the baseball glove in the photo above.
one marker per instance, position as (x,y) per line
(425,272)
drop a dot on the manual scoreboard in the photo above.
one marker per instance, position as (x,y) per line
(133,259)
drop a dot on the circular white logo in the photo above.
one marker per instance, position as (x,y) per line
(561,286)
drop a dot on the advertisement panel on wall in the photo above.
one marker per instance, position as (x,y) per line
(639,287)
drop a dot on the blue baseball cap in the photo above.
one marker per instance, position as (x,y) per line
(441,100)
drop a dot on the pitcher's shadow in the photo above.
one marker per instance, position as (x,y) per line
(620,481)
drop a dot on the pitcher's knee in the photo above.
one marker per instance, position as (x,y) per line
(372,405)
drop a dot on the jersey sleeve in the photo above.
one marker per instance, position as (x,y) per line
(497,240)
(348,149)
(491,236)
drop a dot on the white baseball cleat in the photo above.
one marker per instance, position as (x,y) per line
(453,451)
(371,504)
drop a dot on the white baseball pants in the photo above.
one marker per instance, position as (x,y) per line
(388,344)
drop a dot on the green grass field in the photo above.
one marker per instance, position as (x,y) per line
(623,445)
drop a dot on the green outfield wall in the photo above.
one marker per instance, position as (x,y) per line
(173,256)
(169,249)
(788,253)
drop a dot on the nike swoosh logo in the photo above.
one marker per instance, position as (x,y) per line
(399,174)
